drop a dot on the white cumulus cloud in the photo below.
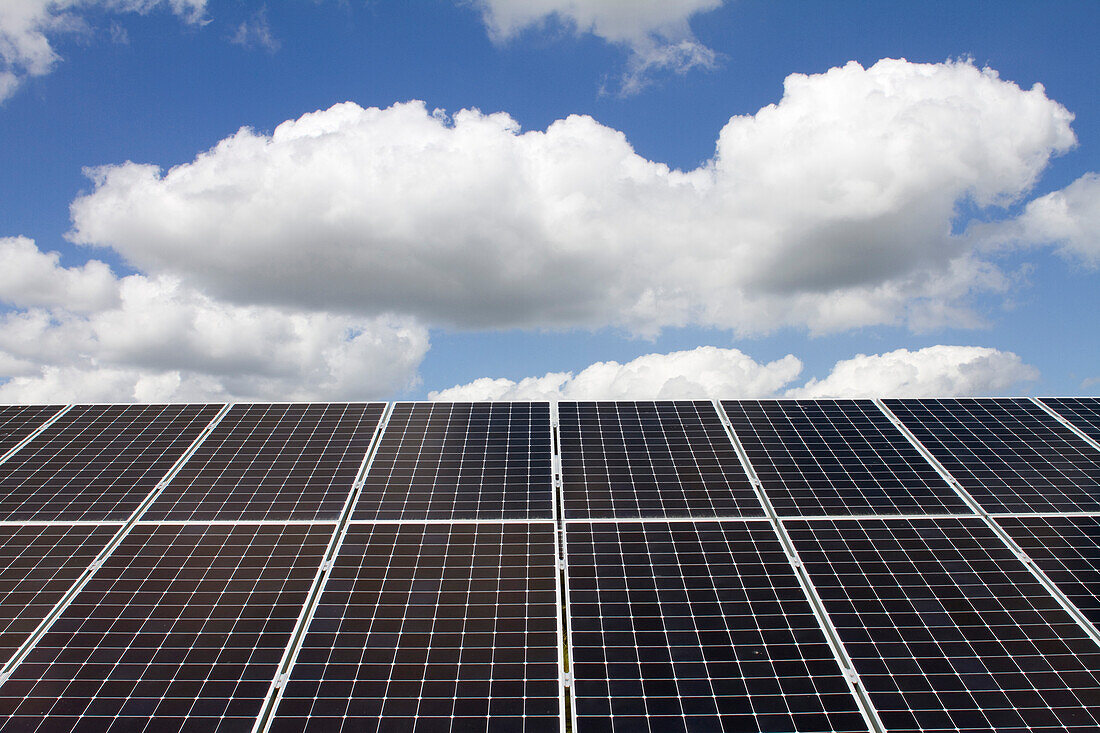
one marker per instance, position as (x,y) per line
(713,373)
(656,33)
(935,371)
(26,27)
(830,209)
(1068,219)
(83,334)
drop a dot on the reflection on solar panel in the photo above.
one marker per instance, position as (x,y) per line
(837,457)
(98,462)
(38,564)
(432,627)
(1082,412)
(461,461)
(691,626)
(182,629)
(1009,454)
(948,630)
(650,459)
(17,422)
(277,462)
(1067,549)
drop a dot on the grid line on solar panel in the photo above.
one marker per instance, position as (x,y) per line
(1067,550)
(273,461)
(682,626)
(19,423)
(38,564)
(650,459)
(181,629)
(432,627)
(836,457)
(1082,412)
(98,462)
(457,460)
(1008,454)
(948,629)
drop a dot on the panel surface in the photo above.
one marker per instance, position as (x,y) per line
(1067,549)
(1008,454)
(650,459)
(692,626)
(182,629)
(98,462)
(19,421)
(432,628)
(461,460)
(837,457)
(273,461)
(38,565)
(1082,412)
(948,629)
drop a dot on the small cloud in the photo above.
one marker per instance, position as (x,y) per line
(119,36)
(256,33)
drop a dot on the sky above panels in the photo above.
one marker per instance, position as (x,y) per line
(527,199)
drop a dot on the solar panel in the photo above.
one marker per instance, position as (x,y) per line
(1067,549)
(1009,454)
(181,629)
(19,421)
(274,462)
(38,565)
(461,461)
(429,627)
(1082,412)
(947,628)
(650,459)
(837,457)
(98,462)
(691,626)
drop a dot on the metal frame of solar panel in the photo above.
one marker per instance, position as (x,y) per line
(836,457)
(273,461)
(461,460)
(1009,454)
(97,462)
(650,459)
(948,629)
(19,422)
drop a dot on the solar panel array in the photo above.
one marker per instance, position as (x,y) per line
(824,565)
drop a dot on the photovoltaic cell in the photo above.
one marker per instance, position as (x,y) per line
(650,459)
(274,462)
(1009,454)
(19,421)
(433,627)
(817,457)
(947,628)
(1067,549)
(693,626)
(38,565)
(98,462)
(461,460)
(1082,412)
(182,629)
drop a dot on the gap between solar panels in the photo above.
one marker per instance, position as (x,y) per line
(1076,430)
(21,654)
(35,433)
(282,674)
(851,676)
(1063,600)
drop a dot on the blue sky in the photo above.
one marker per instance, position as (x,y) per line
(878,207)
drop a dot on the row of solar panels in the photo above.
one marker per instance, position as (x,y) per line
(782,565)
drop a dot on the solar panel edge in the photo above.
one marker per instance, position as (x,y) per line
(1080,433)
(119,537)
(27,439)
